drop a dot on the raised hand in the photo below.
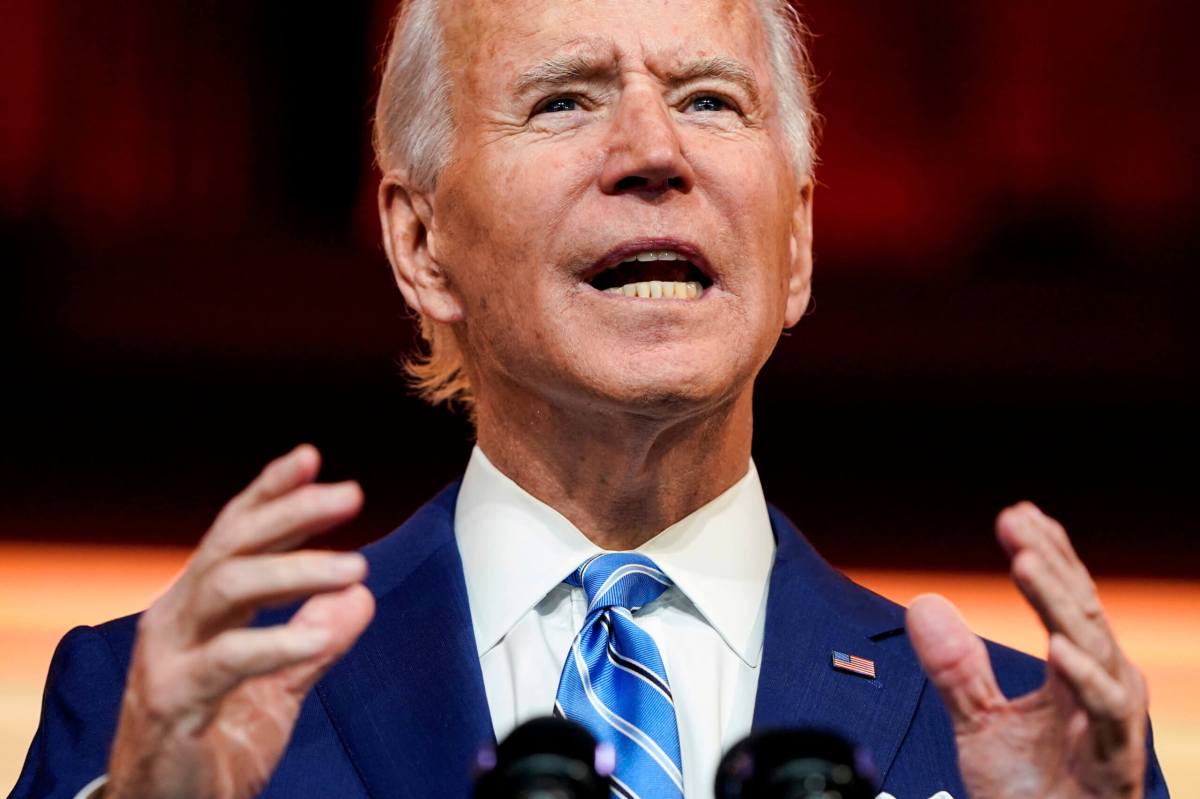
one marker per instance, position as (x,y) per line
(1083,734)
(210,704)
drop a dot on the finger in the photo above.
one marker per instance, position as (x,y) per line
(1110,705)
(1024,526)
(282,475)
(1017,523)
(230,593)
(288,520)
(239,654)
(344,614)
(1054,580)
(1059,609)
(955,660)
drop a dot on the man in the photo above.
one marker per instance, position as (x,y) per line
(602,212)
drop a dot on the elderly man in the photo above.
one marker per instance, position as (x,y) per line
(602,212)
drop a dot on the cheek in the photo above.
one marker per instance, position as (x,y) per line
(750,193)
(537,190)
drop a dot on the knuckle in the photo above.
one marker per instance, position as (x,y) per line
(1122,706)
(153,689)
(1138,686)
(1104,651)
(220,659)
(225,584)
(1090,603)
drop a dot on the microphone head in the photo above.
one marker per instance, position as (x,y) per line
(796,764)
(545,758)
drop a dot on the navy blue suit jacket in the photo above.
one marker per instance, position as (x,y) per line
(404,712)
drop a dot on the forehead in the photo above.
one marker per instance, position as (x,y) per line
(491,41)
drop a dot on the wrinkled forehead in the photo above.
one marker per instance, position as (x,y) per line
(489,43)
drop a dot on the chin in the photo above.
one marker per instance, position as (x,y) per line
(667,393)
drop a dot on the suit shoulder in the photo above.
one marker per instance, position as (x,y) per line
(88,649)
(119,635)
(79,710)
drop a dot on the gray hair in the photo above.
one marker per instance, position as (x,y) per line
(414,132)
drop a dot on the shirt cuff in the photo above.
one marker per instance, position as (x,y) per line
(92,789)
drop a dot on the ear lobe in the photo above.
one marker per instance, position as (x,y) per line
(799,290)
(406,217)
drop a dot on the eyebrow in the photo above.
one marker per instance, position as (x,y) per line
(720,68)
(565,69)
(586,67)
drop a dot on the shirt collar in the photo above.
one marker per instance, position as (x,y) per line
(515,549)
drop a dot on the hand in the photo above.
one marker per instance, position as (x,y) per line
(1083,734)
(210,704)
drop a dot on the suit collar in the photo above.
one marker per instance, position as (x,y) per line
(812,610)
(408,700)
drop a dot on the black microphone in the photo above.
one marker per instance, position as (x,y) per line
(796,764)
(545,758)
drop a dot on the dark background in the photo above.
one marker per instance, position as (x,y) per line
(1006,271)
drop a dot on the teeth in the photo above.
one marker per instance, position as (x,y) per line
(659,289)
(657,255)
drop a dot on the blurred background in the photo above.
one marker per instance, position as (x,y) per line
(1005,285)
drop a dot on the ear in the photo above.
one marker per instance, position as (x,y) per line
(406,217)
(800,272)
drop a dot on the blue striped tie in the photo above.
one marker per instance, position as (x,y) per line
(614,683)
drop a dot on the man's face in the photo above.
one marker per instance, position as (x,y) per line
(602,144)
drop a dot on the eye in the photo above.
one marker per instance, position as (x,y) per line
(558,105)
(707,102)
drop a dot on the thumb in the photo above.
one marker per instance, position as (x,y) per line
(955,660)
(344,614)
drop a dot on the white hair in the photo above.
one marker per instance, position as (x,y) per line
(414,132)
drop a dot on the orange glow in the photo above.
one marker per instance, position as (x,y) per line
(46,590)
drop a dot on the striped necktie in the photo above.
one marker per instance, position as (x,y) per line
(614,683)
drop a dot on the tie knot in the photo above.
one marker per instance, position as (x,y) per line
(619,579)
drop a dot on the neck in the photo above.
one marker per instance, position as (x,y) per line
(620,478)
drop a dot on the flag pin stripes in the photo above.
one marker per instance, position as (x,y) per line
(853,664)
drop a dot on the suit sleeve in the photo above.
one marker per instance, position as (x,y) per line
(1156,785)
(79,718)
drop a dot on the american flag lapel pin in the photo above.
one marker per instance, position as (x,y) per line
(853,664)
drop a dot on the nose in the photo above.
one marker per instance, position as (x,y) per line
(644,154)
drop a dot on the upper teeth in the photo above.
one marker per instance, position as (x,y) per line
(658,255)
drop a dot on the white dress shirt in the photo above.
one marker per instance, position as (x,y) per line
(516,551)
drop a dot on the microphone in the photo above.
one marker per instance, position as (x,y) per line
(796,764)
(545,758)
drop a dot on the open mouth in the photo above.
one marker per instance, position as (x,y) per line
(653,274)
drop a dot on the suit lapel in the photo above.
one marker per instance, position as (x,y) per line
(813,610)
(408,700)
